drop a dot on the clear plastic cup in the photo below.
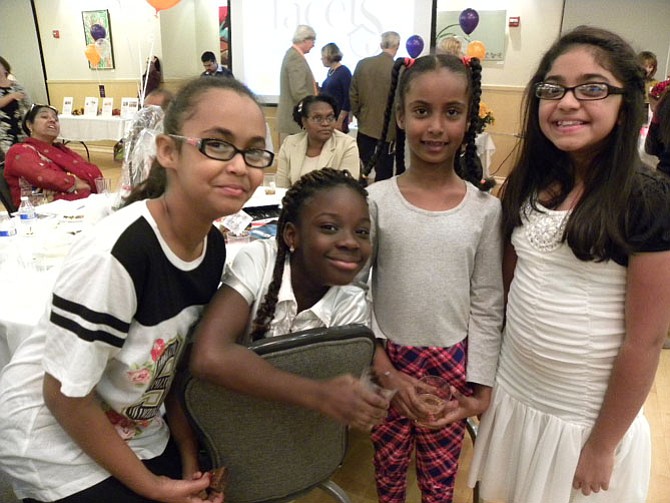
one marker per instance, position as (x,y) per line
(433,393)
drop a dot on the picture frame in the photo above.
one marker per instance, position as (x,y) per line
(98,38)
(490,31)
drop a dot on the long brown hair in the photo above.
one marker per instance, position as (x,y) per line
(597,226)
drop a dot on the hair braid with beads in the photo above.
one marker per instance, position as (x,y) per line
(472,71)
(293,202)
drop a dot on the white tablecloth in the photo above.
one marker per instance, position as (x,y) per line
(83,128)
(29,265)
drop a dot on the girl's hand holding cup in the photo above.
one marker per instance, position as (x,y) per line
(433,394)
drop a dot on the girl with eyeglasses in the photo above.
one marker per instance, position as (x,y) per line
(319,145)
(587,276)
(81,402)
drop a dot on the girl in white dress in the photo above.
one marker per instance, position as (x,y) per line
(587,271)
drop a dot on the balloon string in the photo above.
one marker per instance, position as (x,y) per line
(146,75)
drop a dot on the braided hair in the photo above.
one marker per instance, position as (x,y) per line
(293,202)
(470,169)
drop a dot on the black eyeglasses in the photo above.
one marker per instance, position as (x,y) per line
(318,119)
(584,92)
(222,150)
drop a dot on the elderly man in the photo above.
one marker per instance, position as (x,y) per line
(295,80)
(368,94)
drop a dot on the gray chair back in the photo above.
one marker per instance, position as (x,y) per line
(276,452)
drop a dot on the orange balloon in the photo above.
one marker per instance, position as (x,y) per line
(476,49)
(160,5)
(92,54)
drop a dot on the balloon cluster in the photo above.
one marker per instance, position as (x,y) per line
(92,54)
(99,34)
(468,21)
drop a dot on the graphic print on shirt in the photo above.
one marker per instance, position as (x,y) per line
(158,372)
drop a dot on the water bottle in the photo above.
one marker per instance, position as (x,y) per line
(27,216)
(7,228)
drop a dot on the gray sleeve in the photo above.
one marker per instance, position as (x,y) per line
(486,305)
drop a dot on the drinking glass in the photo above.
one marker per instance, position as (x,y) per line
(434,393)
(103,185)
(270,183)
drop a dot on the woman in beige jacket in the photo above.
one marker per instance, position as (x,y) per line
(319,145)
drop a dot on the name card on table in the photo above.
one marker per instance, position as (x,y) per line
(91,106)
(68,102)
(107,107)
(129,107)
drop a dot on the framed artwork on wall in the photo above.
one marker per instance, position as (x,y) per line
(489,31)
(98,37)
(225,51)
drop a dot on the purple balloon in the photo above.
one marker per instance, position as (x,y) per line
(469,19)
(98,31)
(414,46)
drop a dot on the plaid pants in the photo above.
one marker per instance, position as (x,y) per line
(437,451)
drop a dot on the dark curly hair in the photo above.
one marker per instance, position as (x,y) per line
(301,110)
(293,202)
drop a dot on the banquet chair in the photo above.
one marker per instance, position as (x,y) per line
(276,452)
(5,194)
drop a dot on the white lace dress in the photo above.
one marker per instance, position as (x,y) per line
(565,324)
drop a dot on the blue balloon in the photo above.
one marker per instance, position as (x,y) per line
(98,31)
(414,46)
(469,19)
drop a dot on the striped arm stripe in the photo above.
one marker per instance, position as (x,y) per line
(85,333)
(86,314)
(91,325)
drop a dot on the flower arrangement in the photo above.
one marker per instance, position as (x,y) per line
(485,117)
(657,90)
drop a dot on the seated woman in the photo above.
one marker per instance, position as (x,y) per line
(39,162)
(320,145)
(300,281)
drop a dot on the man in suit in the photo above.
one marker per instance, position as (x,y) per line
(295,80)
(212,67)
(368,95)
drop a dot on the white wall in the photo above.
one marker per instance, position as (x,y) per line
(180,34)
(133,27)
(19,46)
(645,24)
(540,25)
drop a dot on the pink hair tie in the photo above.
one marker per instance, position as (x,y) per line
(466,60)
(409,62)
